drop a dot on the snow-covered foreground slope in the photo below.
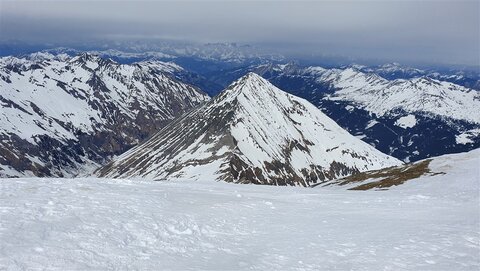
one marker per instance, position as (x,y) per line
(252,132)
(430,223)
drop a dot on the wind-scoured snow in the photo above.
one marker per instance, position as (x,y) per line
(428,223)
(266,136)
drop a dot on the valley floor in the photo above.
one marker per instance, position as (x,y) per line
(430,223)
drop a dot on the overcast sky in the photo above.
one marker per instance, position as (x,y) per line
(430,31)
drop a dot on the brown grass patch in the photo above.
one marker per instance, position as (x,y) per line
(387,177)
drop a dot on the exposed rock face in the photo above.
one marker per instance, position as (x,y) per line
(252,132)
(63,116)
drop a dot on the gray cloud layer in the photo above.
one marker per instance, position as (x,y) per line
(432,31)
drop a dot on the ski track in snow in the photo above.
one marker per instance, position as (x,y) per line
(431,223)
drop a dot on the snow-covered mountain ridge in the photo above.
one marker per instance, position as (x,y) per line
(60,113)
(218,52)
(251,133)
(422,95)
(468,77)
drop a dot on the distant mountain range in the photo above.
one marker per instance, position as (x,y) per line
(66,113)
(226,51)
(391,71)
(211,61)
(63,115)
(252,132)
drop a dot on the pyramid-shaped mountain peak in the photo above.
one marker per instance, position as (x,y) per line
(247,84)
(252,132)
(251,90)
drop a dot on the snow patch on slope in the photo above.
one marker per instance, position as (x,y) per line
(371,123)
(406,121)
(467,136)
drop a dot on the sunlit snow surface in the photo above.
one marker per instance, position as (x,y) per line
(431,223)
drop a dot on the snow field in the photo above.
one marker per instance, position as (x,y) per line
(431,223)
